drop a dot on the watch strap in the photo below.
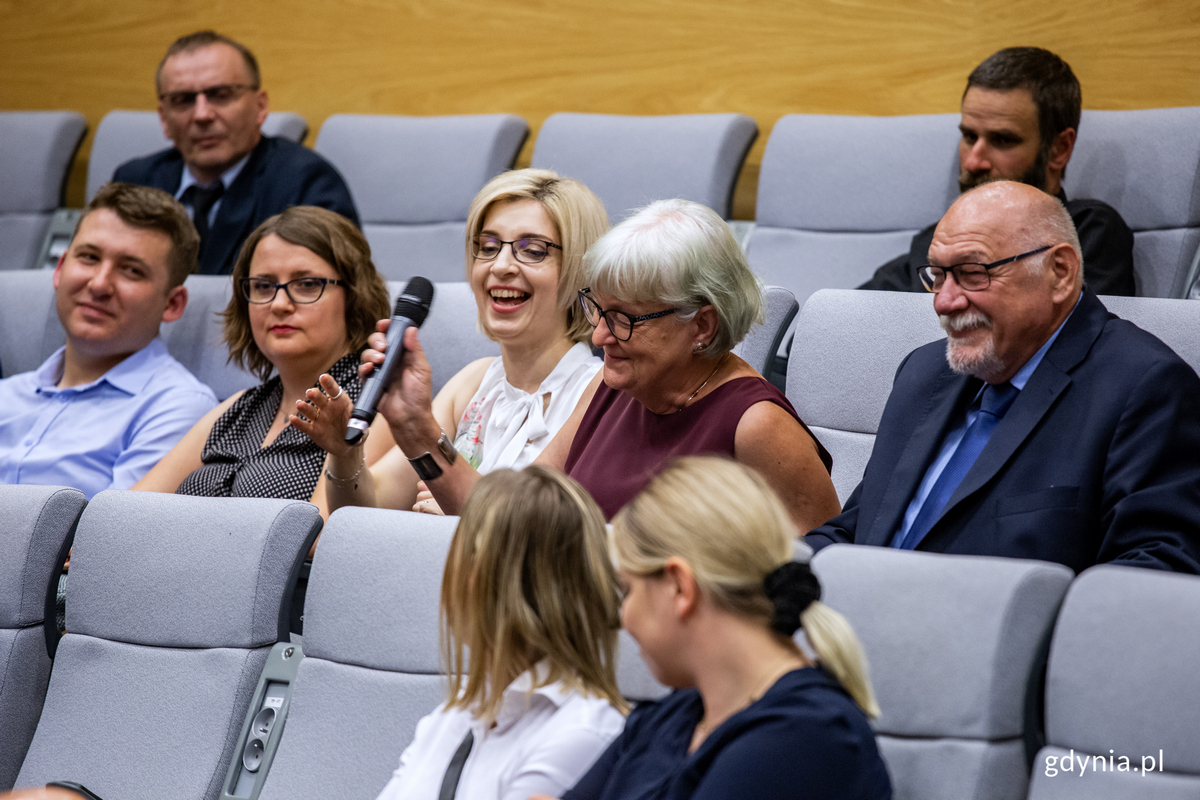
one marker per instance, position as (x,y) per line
(426,467)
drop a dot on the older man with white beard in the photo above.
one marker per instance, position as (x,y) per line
(1043,426)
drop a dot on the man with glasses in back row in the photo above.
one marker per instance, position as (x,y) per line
(225,172)
(1043,426)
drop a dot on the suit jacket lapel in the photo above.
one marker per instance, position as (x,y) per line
(1048,381)
(942,408)
(235,216)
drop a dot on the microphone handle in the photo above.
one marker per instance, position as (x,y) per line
(378,383)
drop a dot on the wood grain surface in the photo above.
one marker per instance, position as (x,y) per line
(536,57)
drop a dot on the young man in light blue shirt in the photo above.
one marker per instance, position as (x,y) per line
(100,412)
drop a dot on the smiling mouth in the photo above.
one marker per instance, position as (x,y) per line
(508,297)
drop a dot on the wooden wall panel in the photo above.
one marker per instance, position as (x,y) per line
(535,57)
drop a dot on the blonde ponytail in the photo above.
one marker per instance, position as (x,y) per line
(840,652)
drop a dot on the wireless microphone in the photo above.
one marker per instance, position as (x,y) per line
(412,306)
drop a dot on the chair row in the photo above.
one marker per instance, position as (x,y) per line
(176,679)
(30,330)
(837,196)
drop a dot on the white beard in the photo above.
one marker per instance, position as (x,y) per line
(981,361)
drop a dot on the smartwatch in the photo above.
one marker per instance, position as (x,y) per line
(426,467)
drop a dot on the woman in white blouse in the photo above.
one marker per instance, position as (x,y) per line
(527,231)
(529,589)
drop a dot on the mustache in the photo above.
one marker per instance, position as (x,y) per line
(964,321)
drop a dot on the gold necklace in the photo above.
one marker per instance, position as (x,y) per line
(780,668)
(692,396)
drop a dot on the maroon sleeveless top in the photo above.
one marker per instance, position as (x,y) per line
(621,444)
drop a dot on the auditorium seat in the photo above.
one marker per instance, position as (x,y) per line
(840,196)
(1122,682)
(1176,322)
(763,341)
(29,328)
(125,135)
(450,336)
(195,339)
(172,605)
(952,642)
(630,161)
(371,668)
(847,348)
(1146,164)
(38,522)
(413,179)
(36,150)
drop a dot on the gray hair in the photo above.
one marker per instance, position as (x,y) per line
(1053,225)
(681,254)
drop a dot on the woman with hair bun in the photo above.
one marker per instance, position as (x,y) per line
(713,597)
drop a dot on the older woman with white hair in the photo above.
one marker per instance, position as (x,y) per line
(670,295)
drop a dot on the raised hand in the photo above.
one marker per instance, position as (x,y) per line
(325,414)
(408,403)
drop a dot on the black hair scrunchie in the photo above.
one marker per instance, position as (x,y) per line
(791,588)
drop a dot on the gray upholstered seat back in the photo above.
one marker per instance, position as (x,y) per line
(839,196)
(450,336)
(195,339)
(371,668)
(1146,164)
(29,328)
(1122,682)
(631,161)
(1176,322)
(125,135)
(762,342)
(37,522)
(172,604)
(951,642)
(413,179)
(847,348)
(36,150)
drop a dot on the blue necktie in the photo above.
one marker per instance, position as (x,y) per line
(993,405)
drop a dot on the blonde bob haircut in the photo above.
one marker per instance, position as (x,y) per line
(528,579)
(726,522)
(577,214)
(680,254)
(339,244)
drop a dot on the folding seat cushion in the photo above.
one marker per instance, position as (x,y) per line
(29,328)
(450,336)
(195,339)
(1121,682)
(840,196)
(371,668)
(763,341)
(846,351)
(1145,164)
(36,150)
(125,135)
(1176,322)
(413,179)
(631,161)
(951,642)
(38,520)
(173,603)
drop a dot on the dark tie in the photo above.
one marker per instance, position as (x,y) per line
(202,202)
(454,770)
(993,406)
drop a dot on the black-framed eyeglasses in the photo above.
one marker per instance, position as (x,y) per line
(970,277)
(220,95)
(301,290)
(527,251)
(620,324)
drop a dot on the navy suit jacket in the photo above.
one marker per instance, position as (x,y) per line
(1098,458)
(279,174)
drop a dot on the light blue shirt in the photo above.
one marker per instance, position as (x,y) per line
(101,435)
(955,437)
(189,180)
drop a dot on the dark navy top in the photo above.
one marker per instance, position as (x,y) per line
(804,739)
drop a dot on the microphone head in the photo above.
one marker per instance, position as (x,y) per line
(413,302)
